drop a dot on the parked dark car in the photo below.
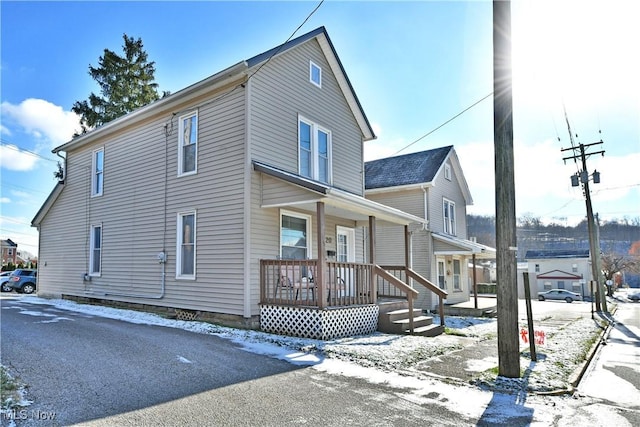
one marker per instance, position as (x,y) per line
(23,280)
(4,278)
(559,294)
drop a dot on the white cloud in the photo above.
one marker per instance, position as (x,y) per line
(43,120)
(12,158)
(4,130)
(5,200)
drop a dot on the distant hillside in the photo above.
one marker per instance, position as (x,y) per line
(615,236)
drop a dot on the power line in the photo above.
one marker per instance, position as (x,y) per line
(445,123)
(287,40)
(169,124)
(14,147)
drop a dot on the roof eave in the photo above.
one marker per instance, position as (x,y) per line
(184,95)
(407,187)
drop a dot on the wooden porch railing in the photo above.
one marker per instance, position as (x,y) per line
(401,287)
(404,274)
(295,283)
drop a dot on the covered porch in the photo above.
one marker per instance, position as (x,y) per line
(331,294)
(456,260)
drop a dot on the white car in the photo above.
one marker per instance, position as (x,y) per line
(4,277)
(559,294)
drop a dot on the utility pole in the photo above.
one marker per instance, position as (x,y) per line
(506,249)
(594,243)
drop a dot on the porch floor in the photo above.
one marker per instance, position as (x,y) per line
(487,306)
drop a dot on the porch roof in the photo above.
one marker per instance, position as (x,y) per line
(339,203)
(466,247)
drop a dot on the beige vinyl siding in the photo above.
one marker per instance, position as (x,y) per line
(132,213)
(281,91)
(450,190)
(390,239)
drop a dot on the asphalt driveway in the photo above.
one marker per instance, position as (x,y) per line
(87,370)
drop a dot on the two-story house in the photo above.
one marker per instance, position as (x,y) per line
(9,251)
(429,184)
(240,197)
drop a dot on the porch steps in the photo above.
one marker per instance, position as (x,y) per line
(394,319)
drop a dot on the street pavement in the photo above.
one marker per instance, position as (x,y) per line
(87,370)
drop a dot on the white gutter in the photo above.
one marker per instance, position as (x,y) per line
(161,106)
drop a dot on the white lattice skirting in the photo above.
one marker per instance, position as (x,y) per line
(319,324)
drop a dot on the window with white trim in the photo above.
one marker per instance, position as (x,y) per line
(457,275)
(97,173)
(449,215)
(186,246)
(314,151)
(441,277)
(447,172)
(188,144)
(95,251)
(295,235)
(315,74)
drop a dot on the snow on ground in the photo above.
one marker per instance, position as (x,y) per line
(390,359)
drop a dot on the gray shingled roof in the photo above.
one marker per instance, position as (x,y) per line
(414,168)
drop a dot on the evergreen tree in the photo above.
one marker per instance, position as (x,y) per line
(126,83)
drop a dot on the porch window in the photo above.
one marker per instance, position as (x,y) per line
(560,284)
(294,235)
(314,151)
(456,275)
(441,277)
(186,250)
(95,254)
(449,214)
(188,144)
(547,286)
(97,177)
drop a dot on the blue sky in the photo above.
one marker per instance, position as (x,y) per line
(414,65)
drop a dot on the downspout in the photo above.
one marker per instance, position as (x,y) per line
(64,168)
(426,207)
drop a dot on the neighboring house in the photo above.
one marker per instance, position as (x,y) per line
(559,269)
(240,197)
(429,184)
(9,252)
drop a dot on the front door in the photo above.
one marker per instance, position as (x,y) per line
(346,252)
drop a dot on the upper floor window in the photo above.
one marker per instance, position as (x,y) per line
(97,175)
(449,214)
(95,255)
(447,172)
(574,268)
(315,74)
(186,250)
(537,267)
(314,151)
(188,144)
